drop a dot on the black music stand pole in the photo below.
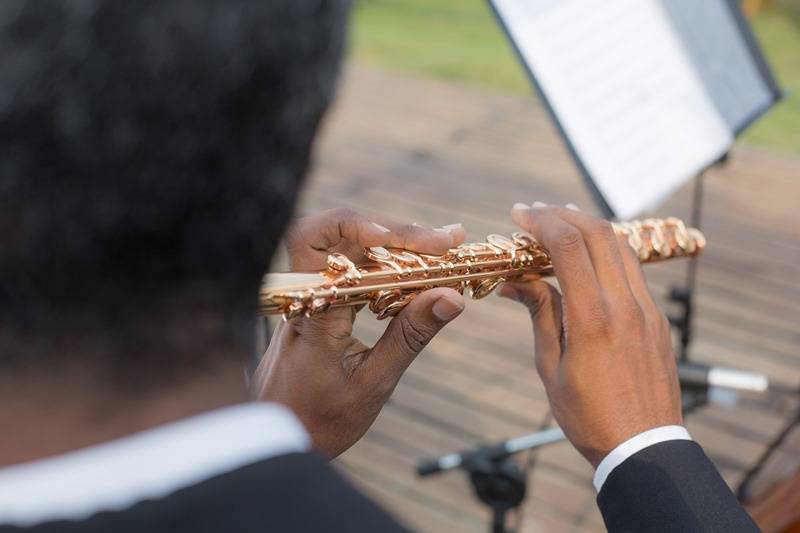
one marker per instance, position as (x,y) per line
(684,295)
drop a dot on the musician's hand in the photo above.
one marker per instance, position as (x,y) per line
(603,349)
(332,381)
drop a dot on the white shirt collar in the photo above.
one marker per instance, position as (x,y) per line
(147,465)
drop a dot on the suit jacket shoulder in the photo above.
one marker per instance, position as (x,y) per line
(296,492)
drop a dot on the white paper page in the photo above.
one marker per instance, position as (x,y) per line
(626,95)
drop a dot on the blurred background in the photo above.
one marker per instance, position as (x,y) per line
(460,41)
(436,123)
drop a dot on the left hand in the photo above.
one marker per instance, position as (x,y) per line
(332,381)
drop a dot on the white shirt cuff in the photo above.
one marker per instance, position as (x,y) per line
(633,445)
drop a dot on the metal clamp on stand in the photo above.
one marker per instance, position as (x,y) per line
(499,484)
(497,481)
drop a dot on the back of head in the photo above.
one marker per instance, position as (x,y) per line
(150,156)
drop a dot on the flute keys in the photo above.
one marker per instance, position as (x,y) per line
(524,239)
(484,288)
(407,258)
(339,263)
(381,255)
(635,233)
(294,310)
(658,238)
(317,305)
(394,308)
(678,236)
(389,303)
(698,240)
(378,253)
(501,241)
(383,299)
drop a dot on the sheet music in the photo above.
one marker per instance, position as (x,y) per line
(721,58)
(626,95)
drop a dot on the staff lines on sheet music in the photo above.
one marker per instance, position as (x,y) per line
(632,139)
(582,71)
(611,121)
(625,90)
(598,96)
(569,31)
(617,123)
(616,65)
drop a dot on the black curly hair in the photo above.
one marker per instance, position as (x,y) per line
(151,153)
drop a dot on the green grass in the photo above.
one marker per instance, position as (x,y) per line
(453,39)
(778,30)
(460,40)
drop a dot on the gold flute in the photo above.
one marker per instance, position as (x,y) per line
(392,277)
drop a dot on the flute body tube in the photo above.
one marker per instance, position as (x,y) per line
(392,277)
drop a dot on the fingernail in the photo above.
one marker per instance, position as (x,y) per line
(538,204)
(441,230)
(415,224)
(385,230)
(452,227)
(520,206)
(572,207)
(507,291)
(447,308)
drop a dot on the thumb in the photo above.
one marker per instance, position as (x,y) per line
(544,304)
(410,331)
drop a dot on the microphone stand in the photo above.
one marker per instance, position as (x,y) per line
(496,479)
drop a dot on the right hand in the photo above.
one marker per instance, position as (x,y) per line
(603,348)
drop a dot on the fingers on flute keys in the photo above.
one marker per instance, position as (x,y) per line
(598,275)
(344,227)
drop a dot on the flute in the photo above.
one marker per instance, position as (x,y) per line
(392,277)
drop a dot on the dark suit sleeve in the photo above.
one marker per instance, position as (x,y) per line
(670,487)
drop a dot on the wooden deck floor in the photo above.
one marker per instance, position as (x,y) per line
(422,150)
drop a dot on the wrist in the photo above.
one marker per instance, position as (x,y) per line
(633,445)
(615,434)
